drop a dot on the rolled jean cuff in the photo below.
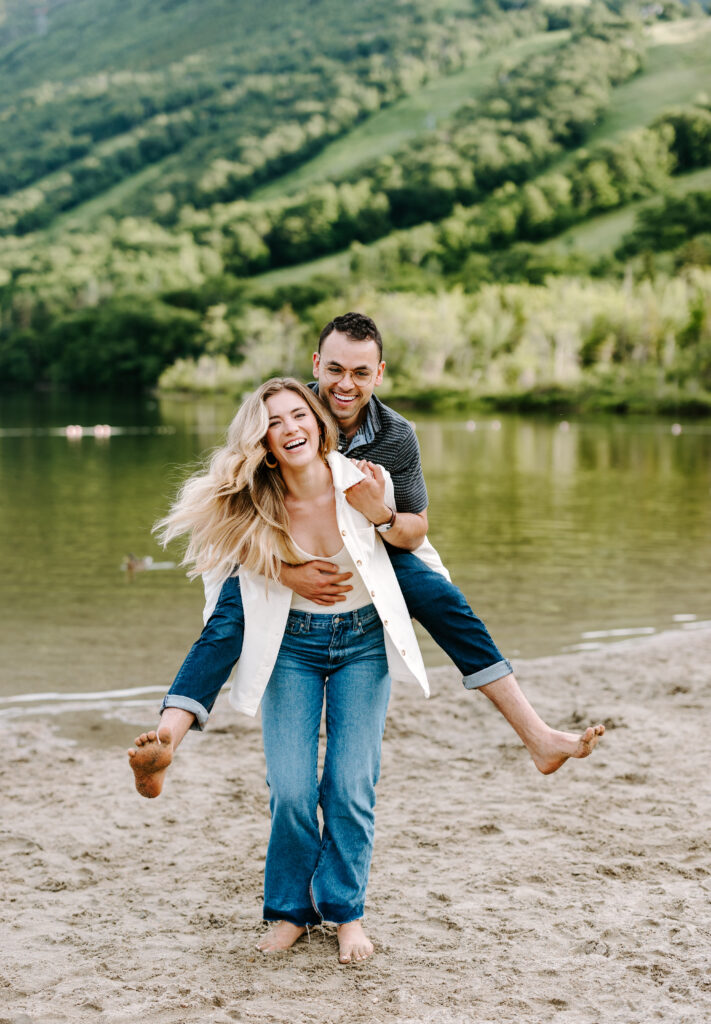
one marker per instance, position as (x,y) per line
(175,700)
(487,675)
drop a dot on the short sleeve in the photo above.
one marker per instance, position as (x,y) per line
(408,481)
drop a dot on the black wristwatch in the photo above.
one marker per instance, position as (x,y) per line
(384,527)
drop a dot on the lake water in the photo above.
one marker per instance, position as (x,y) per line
(563,536)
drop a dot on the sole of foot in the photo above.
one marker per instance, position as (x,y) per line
(354,946)
(149,760)
(280,937)
(563,745)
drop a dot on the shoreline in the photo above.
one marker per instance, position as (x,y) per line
(100,715)
(496,894)
(619,401)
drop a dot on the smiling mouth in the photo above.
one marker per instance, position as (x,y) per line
(293,445)
(343,398)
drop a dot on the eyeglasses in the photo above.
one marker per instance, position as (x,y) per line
(335,373)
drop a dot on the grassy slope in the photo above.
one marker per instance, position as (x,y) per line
(596,237)
(91,36)
(677,69)
(675,72)
(389,129)
(85,216)
(601,235)
(380,134)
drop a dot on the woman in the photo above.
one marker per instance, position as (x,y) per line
(276,492)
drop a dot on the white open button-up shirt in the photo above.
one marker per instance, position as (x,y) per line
(266,609)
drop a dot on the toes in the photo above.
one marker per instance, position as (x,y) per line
(355,955)
(131,752)
(151,737)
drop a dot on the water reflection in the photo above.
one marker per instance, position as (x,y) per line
(561,538)
(553,533)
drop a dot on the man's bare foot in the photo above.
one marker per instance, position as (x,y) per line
(353,944)
(554,750)
(281,936)
(150,759)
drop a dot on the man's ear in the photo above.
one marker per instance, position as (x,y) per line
(316,362)
(379,375)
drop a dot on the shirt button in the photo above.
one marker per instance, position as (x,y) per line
(385,622)
(372,593)
(403,652)
(359,562)
(343,533)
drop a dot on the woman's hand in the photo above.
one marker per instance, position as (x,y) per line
(368,496)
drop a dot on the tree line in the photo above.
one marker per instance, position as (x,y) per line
(477,151)
(465,245)
(68,143)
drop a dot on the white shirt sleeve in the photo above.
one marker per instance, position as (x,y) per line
(212,582)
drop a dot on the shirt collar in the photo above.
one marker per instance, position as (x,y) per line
(365,433)
(344,472)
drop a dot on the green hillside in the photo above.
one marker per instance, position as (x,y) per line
(388,130)
(186,180)
(214,97)
(600,236)
(677,69)
(80,38)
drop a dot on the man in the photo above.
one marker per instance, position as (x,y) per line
(348,367)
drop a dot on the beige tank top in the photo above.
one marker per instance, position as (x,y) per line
(358,597)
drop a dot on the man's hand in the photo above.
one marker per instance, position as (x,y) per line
(317,581)
(368,496)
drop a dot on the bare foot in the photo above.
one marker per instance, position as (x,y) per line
(551,752)
(353,944)
(150,759)
(281,936)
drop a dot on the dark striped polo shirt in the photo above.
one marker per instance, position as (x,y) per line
(388,438)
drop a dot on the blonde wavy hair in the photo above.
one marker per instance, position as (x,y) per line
(234,512)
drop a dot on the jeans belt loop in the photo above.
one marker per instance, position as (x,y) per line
(307,623)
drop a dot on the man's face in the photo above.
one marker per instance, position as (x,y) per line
(347,372)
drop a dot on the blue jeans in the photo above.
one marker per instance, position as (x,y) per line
(311,876)
(431,599)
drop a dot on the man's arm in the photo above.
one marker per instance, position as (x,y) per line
(409,528)
(317,581)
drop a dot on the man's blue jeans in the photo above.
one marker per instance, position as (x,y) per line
(431,599)
(311,876)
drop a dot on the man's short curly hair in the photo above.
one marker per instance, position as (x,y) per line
(357,326)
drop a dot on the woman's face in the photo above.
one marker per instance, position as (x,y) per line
(293,435)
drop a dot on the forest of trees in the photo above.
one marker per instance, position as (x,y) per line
(133,248)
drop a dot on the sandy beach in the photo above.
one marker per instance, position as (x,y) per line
(496,894)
